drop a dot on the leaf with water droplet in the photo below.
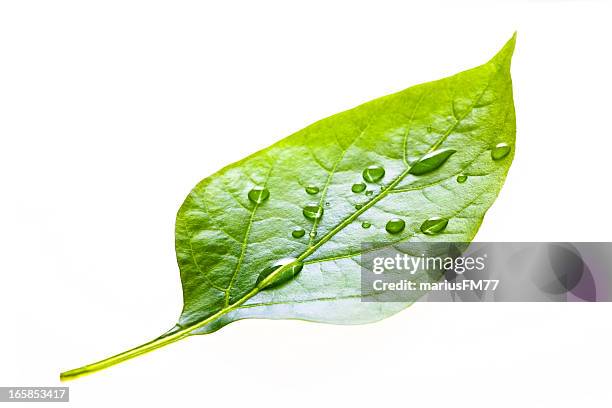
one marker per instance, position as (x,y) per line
(258,195)
(431,161)
(298,233)
(500,151)
(284,271)
(358,188)
(230,234)
(395,225)
(434,225)
(313,212)
(312,190)
(373,174)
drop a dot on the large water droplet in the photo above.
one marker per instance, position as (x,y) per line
(312,189)
(298,233)
(366,224)
(358,187)
(431,161)
(500,151)
(291,268)
(462,178)
(372,174)
(313,212)
(259,194)
(395,226)
(434,225)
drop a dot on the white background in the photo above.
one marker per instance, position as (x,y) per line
(111,111)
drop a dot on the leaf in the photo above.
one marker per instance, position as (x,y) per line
(237,256)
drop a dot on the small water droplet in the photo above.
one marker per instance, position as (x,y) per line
(395,226)
(358,206)
(431,161)
(372,174)
(434,225)
(369,193)
(291,270)
(500,151)
(366,224)
(313,212)
(312,190)
(258,195)
(358,187)
(298,233)
(462,178)
(312,234)
(429,129)
(327,204)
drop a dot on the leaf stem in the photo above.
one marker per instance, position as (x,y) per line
(161,341)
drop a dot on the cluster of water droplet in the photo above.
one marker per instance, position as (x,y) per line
(374,174)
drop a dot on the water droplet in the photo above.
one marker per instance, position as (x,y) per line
(298,233)
(313,212)
(366,224)
(259,194)
(327,203)
(372,174)
(429,129)
(434,225)
(358,187)
(291,268)
(395,226)
(312,190)
(369,193)
(312,234)
(462,178)
(358,206)
(431,161)
(500,151)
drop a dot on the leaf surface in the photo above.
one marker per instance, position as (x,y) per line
(224,240)
(445,148)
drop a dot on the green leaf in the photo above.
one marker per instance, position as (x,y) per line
(237,255)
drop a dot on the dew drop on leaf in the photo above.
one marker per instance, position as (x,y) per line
(429,129)
(313,212)
(500,151)
(434,225)
(298,233)
(462,178)
(312,190)
(366,224)
(312,234)
(395,226)
(258,195)
(291,270)
(369,193)
(431,161)
(358,187)
(358,206)
(372,174)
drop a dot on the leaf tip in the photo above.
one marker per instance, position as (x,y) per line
(504,56)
